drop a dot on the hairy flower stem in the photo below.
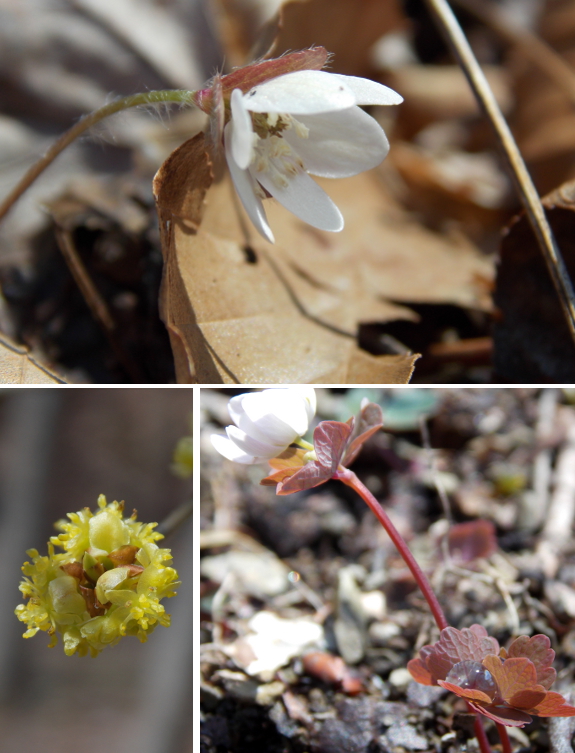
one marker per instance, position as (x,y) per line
(87,121)
(350,479)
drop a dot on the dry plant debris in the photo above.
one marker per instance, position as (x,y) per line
(414,268)
(351,690)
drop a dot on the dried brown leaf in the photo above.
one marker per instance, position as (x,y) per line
(531,338)
(181,183)
(231,317)
(472,540)
(305,23)
(17,366)
(381,255)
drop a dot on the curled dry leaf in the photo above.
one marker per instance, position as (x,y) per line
(531,338)
(17,366)
(507,686)
(242,311)
(231,315)
(473,540)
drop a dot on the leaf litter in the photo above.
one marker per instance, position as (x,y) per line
(326,704)
(413,270)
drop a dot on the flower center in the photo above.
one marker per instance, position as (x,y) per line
(271,152)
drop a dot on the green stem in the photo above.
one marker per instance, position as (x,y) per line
(87,121)
(350,479)
(303,444)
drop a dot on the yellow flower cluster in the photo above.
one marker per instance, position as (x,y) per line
(107,583)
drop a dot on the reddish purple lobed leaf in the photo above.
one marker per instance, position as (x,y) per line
(527,699)
(329,441)
(312,474)
(553,705)
(468,644)
(419,672)
(512,676)
(369,421)
(503,714)
(514,686)
(468,693)
(537,649)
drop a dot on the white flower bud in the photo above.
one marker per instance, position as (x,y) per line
(266,423)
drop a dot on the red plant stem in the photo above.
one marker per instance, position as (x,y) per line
(350,479)
(504,737)
(480,734)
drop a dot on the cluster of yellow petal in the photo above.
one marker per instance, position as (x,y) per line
(107,583)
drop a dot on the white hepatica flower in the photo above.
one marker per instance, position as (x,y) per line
(303,122)
(265,423)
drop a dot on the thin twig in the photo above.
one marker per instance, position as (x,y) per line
(525,187)
(175,519)
(146,98)
(97,305)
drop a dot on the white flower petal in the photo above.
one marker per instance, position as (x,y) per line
(340,144)
(245,188)
(368,92)
(301,92)
(231,451)
(304,198)
(242,133)
(255,414)
(310,401)
(251,446)
(279,414)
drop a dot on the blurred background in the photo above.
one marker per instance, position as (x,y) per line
(58,452)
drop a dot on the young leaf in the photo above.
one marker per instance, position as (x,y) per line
(536,649)
(517,681)
(312,474)
(553,705)
(369,421)
(502,715)
(330,440)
